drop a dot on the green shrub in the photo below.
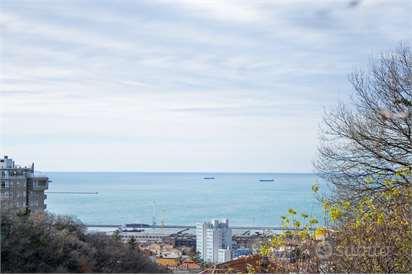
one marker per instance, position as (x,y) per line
(46,243)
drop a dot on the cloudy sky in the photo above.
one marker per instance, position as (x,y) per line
(181,85)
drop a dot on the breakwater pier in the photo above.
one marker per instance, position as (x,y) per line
(274,228)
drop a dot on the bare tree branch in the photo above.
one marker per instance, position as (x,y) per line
(363,145)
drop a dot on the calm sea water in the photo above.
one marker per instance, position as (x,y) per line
(181,198)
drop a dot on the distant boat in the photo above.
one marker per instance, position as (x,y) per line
(209,178)
(266,180)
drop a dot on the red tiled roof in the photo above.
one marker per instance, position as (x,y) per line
(240,265)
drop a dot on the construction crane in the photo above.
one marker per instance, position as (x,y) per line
(162,220)
(181,231)
(246,233)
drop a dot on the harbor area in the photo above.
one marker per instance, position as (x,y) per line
(179,248)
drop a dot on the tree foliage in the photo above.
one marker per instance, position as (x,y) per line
(371,237)
(366,153)
(366,236)
(292,251)
(369,139)
(45,243)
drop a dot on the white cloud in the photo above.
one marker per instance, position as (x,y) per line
(238,11)
(196,85)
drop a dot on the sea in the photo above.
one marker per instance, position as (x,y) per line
(115,198)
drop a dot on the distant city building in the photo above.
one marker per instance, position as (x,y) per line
(143,236)
(241,252)
(212,237)
(181,240)
(21,188)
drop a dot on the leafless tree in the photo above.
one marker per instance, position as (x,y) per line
(367,141)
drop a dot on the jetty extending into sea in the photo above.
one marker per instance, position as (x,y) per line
(275,228)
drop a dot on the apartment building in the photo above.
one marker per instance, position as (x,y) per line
(21,189)
(214,241)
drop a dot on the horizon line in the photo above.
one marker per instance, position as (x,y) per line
(188,172)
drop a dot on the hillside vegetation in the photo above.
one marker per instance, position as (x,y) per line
(46,243)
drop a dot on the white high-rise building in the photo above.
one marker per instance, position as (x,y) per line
(224,255)
(212,237)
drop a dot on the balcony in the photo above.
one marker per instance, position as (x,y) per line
(40,183)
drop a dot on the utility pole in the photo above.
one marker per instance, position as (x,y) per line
(162,220)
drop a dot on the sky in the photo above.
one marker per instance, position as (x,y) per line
(224,86)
